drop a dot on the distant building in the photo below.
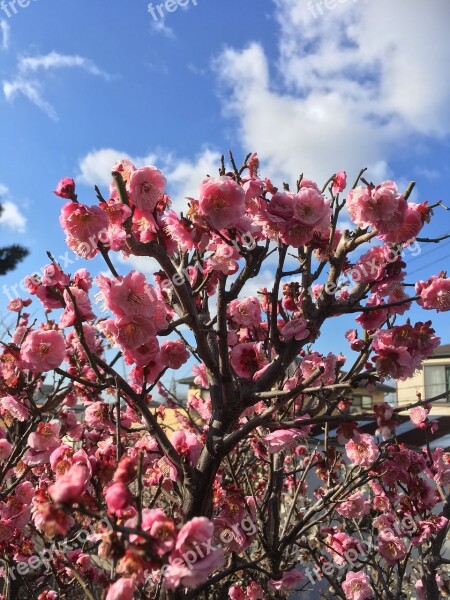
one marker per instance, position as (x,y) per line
(363,399)
(432,380)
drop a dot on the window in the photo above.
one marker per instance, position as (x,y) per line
(360,401)
(437,381)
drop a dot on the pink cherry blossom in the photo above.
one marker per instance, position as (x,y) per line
(246,312)
(145,187)
(382,207)
(362,450)
(122,589)
(281,207)
(355,344)
(281,439)
(420,590)
(313,361)
(357,200)
(149,374)
(66,189)
(42,351)
(409,229)
(187,565)
(290,580)
(373,319)
(69,487)
(418,415)
(434,293)
(128,296)
(221,202)
(125,167)
(48,297)
(54,276)
(387,211)
(83,307)
(201,378)
(248,359)
(391,547)
(372,266)
(118,497)
(309,206)
(254,591)
(357,586)
(46,436)
(96,416)
(82,279)
(17,304)
(174,354)
(441,467)
(5,449)
(339,182)
(133,332)
(83,223)
(14,408)
(224,258)
(142,355)
(232,537)
(297,329)
(400,350)
(61,459)
(162,529)
(178,229)
(187,444)
(236,593)
(356,505)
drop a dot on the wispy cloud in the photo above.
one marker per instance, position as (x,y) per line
(54,60)
(5,31)
(161,27)
(26,85)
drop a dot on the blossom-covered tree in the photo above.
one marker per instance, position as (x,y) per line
(244,500)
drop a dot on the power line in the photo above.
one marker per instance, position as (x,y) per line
(428,265)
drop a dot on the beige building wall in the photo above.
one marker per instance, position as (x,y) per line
(378,396)
(407,390)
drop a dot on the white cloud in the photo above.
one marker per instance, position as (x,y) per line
(161,27)
(143,264)
(95,167)
(54,60)
(32,91)
(5,31)
(348,87)
(23,83)
(11,216)
(183,175)
(252,286)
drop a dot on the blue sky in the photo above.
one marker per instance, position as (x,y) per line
(83,83)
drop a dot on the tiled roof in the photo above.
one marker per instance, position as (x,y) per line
(441,351)
(406,433)
(379,386)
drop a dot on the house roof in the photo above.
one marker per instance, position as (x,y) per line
(382,387)
(406,433)
(442,351)
(186,380)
